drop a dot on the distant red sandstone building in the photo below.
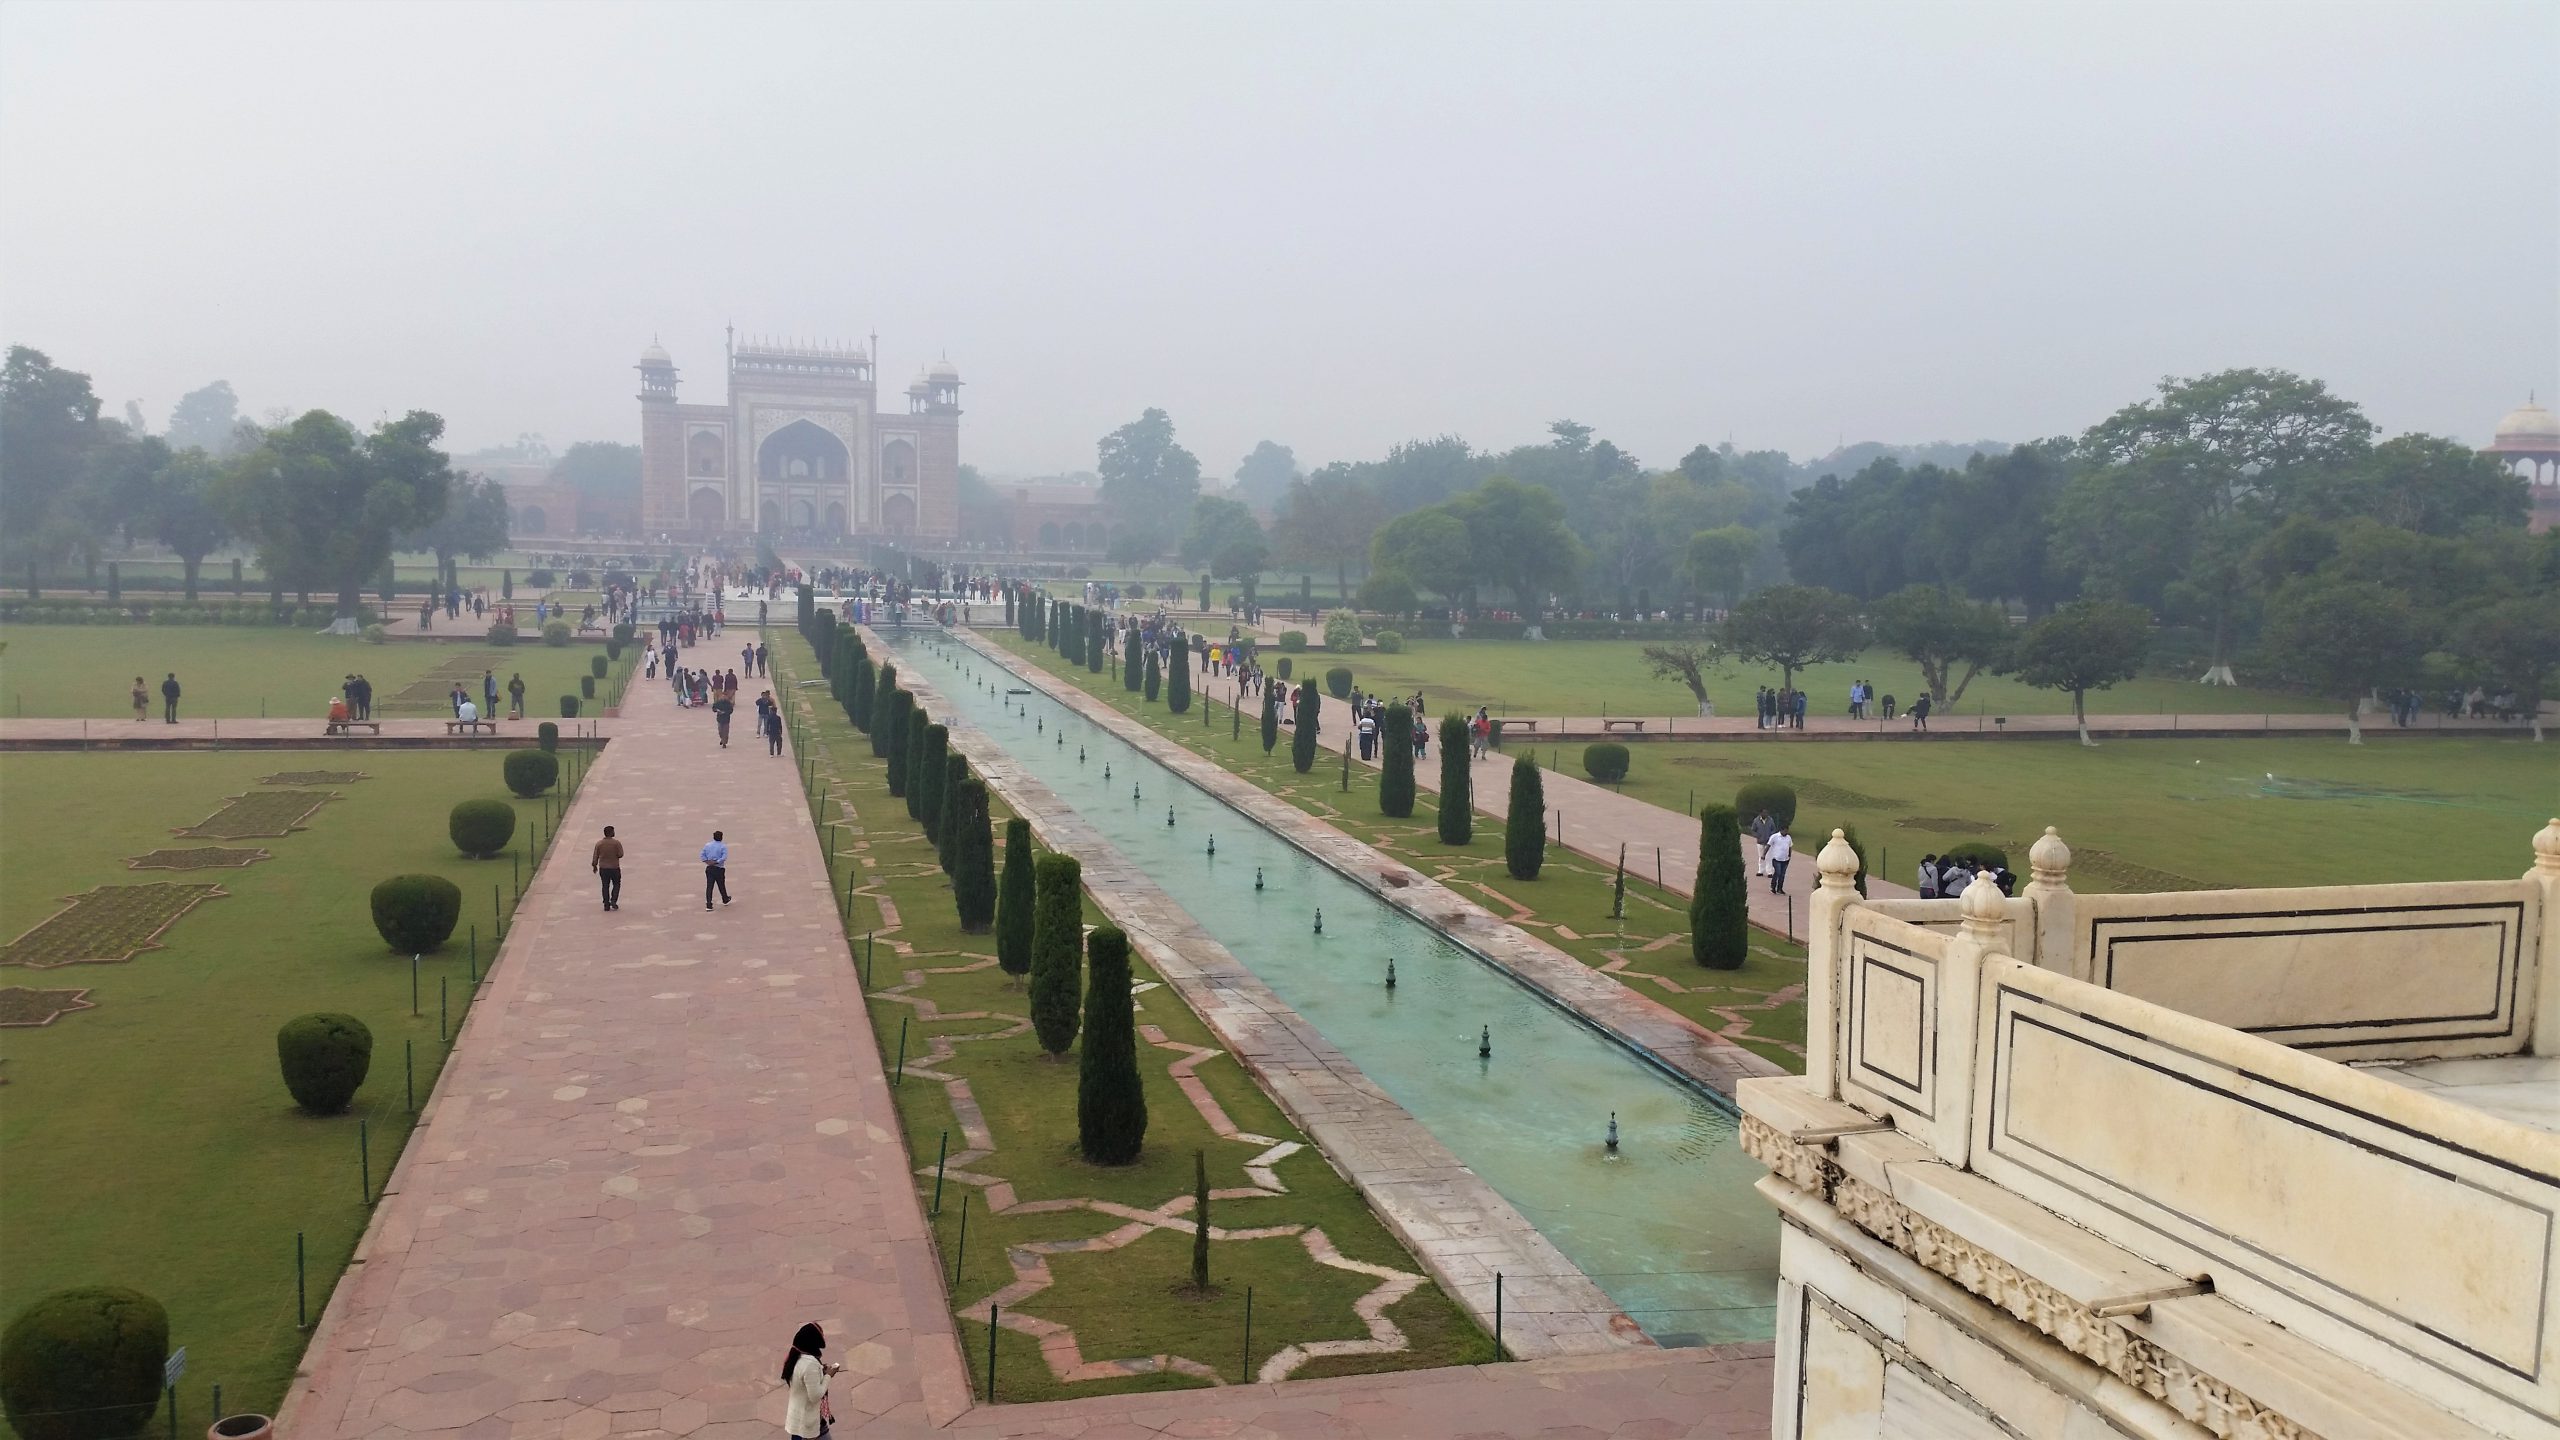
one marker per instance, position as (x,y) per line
(2528,442)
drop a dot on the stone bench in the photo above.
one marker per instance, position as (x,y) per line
(457,727)
(342,727)
(1614,724)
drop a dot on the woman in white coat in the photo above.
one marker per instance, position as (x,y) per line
(805,1370)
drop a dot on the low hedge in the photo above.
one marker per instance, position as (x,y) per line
(324,1058)
(1390,642)
(376,635)
(1978,853)
(416,913)
(503,633)
(530,772)
(556,633)
(1776,797)
(481,828)
(539,579)
(23,611)
(1606,763)
(1293,641)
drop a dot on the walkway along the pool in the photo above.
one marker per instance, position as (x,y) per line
(664,1140)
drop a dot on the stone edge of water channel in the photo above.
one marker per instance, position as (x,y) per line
(1657,1033)
(1461,1228)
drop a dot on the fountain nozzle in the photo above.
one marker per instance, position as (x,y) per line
(1319,919)
(1391,972)
(1484,1044)
(1613,1132)
(1213,844)
(1168,817)
(1257,877)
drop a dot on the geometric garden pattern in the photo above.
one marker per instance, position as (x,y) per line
(260,812)
(110,923)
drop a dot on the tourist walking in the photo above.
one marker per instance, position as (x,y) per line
(715,870)
(807,1414)
(769,718)
(607,863)
(1782,848)
(363,697)
(141,701)
(515,695)
(1920,713)
(721,710)
(1928,877)
(489,693)
(169,696)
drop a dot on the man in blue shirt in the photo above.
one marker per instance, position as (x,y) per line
(715,870)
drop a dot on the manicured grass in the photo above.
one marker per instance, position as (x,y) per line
(2158,814)
(1125,1303)
(1592,677)
(1569,904)
(150,1141)
(63,671)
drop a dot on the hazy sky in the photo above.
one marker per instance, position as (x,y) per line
(1334,226)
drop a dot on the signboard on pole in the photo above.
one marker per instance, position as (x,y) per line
(175,1367)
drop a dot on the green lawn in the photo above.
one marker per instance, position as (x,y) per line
(150,1140)
(1125,1302)
(1592,677)
(213,580)
(2157,814)
(227,671)
(1569,905)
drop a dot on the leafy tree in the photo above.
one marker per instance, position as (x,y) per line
(2512,643)
(1388,593)
(1302,744)
(1431,548)
(1177,685)
(1719,910)
(1226,540)
(1946,635)
(206,420)
(973,869)
(1792,626)
(1328,520)
(1057,951)
(50,418)
(1265,475)
(1111,1101)
(1524,828)
(1014,901)
(1719,560)
(1395,763)
(1148,484)
(323,503)
(2342,638)
(2084,646)
(1270,718)
(186,511)
(1457,782)
(1688,663)
(606,475)
(1519,540)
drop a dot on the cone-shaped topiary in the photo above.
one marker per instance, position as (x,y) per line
(596,666)
(973,857)
(1719,909)
(324,1058)
(481,828)
(1395,764)
(946,837)
(1457,782)
(84,1364)
(568,707)
(1302,745)
(530,772)
(1155,676)
(1014,902)
(547,735)
(1177,686)
(1111,1103)
(1270,717)
(933,768)
(1057,951)
(1132,662)
(1524,830)
(416,913)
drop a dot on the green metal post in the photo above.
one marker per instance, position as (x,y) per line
(1247,1375)
(301,1292)
(869,952)
(441,990)
(900,1077)
(409,1071)
(1497,1315)
(475,954)
(941,1157)
(994,1313)
(364,1162)
(960,1260)
(413,987)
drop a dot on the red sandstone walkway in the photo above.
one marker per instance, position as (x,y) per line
(664,1141)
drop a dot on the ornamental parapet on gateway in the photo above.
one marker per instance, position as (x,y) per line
(2262,1164)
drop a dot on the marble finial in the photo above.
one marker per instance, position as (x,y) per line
(1837,862)
(2050,859)
(1984,907)
(2546,846)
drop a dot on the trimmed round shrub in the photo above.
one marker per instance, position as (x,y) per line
(84,1364)
(1293,641)
(481,828)
(596,666)
(416,913)
(502,633)
(1775,797)
(1389,642)
(1342,632)
(1337,682)
(623,632)
(1286,664)
(1978,853)
(556,633)
(376,635)
(539,579)
(568,707)
(530,772)
(324,1058)
(547,735)
(1606,763)
(612,651)
(587,687)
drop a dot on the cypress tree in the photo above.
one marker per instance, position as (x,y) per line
(1524,830)
(902,758)
(924,770)
(1457,782)
(973,855)
(1395,764)
(1111,1104)
(807,600)
(848,657)
(1064,641)
(955,773)
(865,676)
(1177,686)
(889,737)
(1270,717)
(1155,681)
(1008,605)
(1031,615)
(1057,951)
(1130,660)
(1013,901)
(1302,745)
(884,690)
(1719,910)
(1093,641)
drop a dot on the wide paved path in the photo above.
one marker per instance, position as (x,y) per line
(664,1141)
